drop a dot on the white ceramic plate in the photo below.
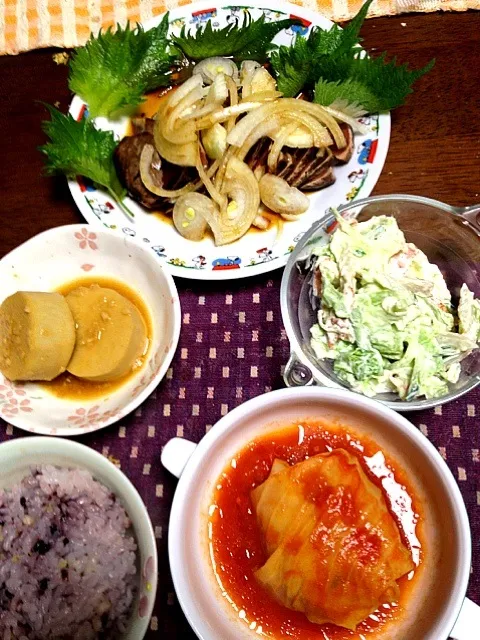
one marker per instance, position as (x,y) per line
(64,254)
(257,252)
(199,589)
(20,455)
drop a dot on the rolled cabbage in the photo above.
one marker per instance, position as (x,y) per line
(334,549)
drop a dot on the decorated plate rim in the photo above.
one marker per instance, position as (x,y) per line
(242,270)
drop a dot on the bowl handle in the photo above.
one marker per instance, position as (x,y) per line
(471,215)
(175,455)
(468,620)
(297,374)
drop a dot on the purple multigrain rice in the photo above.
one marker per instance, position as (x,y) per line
(67,560)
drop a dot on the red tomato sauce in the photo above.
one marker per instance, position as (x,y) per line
(237,548)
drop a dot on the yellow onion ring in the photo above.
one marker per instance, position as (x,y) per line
(236,219)
(173,129)
(239,134)
(184,155)
(233,95)
(262,96)
(146,158)
(225,114)
(214,193)
(278,144)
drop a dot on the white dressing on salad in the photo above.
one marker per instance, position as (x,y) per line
(386,317)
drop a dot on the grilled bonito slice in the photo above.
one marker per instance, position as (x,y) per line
(37,336)
(111,334)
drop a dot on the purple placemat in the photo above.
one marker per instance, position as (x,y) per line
(232,348)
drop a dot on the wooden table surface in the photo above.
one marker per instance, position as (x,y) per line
(434,149)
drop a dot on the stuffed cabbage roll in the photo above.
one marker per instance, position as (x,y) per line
(334,549)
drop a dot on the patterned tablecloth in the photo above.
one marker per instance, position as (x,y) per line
(232,348)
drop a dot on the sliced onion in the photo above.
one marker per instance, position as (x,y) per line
(246,125)
(184,155)
(225,114)
(262,81)
(212,169)
(270,126)
(300,138)
(216,96)
(222,167)
(239,134)
(146,159)
(218,91)
(265,129)
(195,113)
(211,67)
(214,141)
(232,91)
(247,69)
(279,196)
(343,117)
(214,193)
(278,144)
(174,97)
(264,96)
(320,114)
(327,158)
(233,96)
(320,134)
(261,222)
(259,171)
(237,217)
(188,215)
(175,130)
(290,217)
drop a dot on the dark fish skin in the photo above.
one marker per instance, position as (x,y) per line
(306,169)
(127,163)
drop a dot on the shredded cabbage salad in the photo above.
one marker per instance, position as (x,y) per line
(386,317)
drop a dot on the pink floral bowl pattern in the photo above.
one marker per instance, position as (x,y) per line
(20,455)
(64,254)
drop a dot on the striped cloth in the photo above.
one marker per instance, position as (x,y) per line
(31,24)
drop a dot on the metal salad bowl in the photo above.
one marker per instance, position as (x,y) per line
(450,238)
